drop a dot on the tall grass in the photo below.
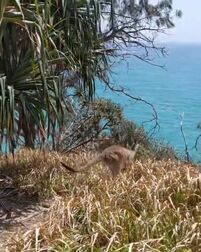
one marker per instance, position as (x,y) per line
(153,206)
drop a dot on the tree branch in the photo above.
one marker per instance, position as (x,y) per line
(156,127)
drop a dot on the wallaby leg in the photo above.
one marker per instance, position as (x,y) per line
(113,167)
(116,166)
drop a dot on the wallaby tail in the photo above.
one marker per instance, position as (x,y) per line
(68,167)
(92,162)
(88,165)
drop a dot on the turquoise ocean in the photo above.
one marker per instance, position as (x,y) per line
(174,90)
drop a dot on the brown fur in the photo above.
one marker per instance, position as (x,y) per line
(117,158)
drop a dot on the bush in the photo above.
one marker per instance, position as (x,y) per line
(92,121)
(103,122)
(128,133)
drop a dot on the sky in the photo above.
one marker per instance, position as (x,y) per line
(188,27)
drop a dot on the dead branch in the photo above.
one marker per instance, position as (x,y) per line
(188,157)
(196,142)
(156,126)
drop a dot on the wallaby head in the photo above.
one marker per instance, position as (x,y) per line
(115,157)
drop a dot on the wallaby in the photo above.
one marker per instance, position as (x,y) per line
(117,158)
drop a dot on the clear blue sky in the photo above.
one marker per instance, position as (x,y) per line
(188,28)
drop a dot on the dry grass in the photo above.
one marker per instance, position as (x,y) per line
(155,206)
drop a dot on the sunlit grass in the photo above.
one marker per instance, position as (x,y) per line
(154,206)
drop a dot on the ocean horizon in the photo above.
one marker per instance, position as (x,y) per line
(174,91)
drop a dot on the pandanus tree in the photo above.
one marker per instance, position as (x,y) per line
(47,47)
(40,44)
(29,93)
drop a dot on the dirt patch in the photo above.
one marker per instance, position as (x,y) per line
(18,214)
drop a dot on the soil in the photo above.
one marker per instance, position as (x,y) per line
(18,214)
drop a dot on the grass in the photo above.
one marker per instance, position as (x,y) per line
(154,206)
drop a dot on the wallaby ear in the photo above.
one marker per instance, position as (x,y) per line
(113,156)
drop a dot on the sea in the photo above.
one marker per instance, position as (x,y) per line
(173,89)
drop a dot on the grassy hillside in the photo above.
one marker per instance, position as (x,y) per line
(154,206)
